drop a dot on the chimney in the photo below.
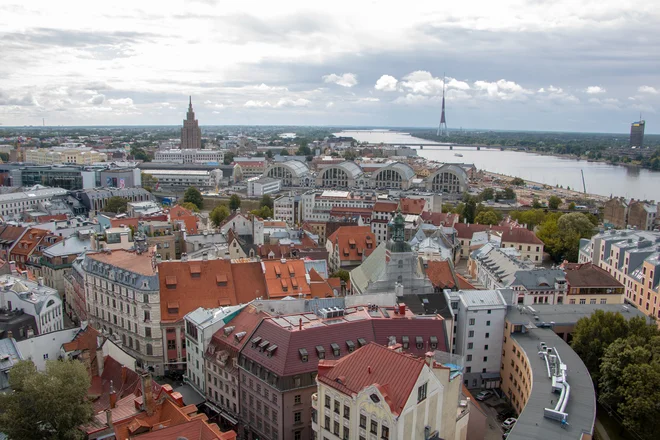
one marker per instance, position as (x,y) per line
(124,371)
(300,324)
(402,309)
(369,369)
(12,266)
(40,281)
(10,334)
(113,396)
(429,358)
(159,259)
(99,360)
(147,394)
(184,257)
(108,418)
(205,256)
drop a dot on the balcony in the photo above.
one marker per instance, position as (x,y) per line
(315,401)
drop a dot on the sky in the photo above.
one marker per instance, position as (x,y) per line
(590,66)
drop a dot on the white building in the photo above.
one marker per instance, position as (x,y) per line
(377,392)
(258,187)
(35,299)
(42,348)
(14,204)
(189,156)
(478,334)
(179,179)
(288,208)
(316,206)
(200,325)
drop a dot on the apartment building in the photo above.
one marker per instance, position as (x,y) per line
(289,209)
(189,155)
(278,365)
(57,259)
(478,325)
(123,299)
(589,284)
(316,205)
(539,286)
(34,299)
(13,205)
(74,154)
(495,267)
(383,213)
(348,247)
(516,237)
(380,392)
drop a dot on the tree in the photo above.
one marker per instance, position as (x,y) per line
(470,210)
(46,405)
(517,181)
(269,154)
(554,202)
(189,206)
(487,194)
(284,152)
(447,207)
(192,195)
(116,204)
(487,218)
(594,334)
(229,158)
(4,157)
(536,204)
(508,194)
(571,206)
(218,215)
(263,212)
(234,202)
(266,200)
(303,150)
(149,182)
(341,273)
(561,234)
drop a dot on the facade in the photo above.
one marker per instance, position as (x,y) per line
(316,205)
(589,284)
(189,155)
(396,175)
(522,239)
(379,392)
(642,215)
(95,200)
(12,205)
(123,300)
(290,173)
(57,259)
(191,134)
(348,246)
(200,325)
(615,212)
(479,323)
(258,187)
(289,209)
(383,212)
(448,179)
(539,286)
(278,363)
(637,133)
(33,299)
(494,267)
(78,155)
(181,179)
(343,175)
(74,292)
(245,168)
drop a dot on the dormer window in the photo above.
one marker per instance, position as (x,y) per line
(419,342)
(335,349)
(434,342)
(303,355)
(256,341)
(320,351)
(351,346)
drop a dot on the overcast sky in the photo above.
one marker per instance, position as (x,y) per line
(510,64)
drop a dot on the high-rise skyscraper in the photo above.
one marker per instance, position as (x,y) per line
(191,134)
(637,133)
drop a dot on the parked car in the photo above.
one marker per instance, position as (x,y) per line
(484,395)
(508,423)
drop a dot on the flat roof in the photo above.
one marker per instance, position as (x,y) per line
(581,407)
(566,314)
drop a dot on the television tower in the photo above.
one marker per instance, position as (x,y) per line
(442,128)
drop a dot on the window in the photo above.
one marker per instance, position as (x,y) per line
(469,357)
(327,423)
(471,334)
(572,301)
(603,301)
(171,344)
(150,350)
(336,428)
(468,369)
(470,345)
(583,301)
(297,435)
(487,335)
(147,332)
(485,358)
(297,399)
(385,432)
(297,417)
(347,412)
(346,433)
(421,392)
(488,323)
(489,311)
(592,301)
(471,321)
(374,427)
(327,402)
(337,405)
(363,421)
(147,315)
(486,347)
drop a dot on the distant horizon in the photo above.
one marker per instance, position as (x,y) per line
(342,127)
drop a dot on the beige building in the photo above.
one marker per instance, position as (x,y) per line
(522,239)
(589,284)
(379,392)
(64,154)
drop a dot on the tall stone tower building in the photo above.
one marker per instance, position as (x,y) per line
(191,134)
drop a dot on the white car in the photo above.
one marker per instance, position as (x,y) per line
(508,423)
(483,395)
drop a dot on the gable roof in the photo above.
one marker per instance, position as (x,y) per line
(385,206)
(285,278)
(411,206)
(249,281)
(441,274)
(440,218)
(354,242)
(394,374)
(510,233)
(588,275)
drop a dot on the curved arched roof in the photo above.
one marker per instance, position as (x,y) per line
(296,167)
(352,170)
(450,168)
(405,171)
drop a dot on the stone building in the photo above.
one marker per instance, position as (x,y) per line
(191,134)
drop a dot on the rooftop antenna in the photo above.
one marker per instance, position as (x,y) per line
(442,128)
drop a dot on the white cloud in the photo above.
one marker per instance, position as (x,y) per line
(330,105)
(286,102)
(257,104)
(648,89)
(609,103)
(595,90)
(504,89)
(207,102)
(344,80)
(97,99)
(412,99)
(541,90)
(128,102)
(422,82)
(368,99)
(265,87)
(386,83)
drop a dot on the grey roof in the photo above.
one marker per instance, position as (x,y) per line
(566,314)
(581,407)
(320,266)
(371,269)
(28,291)
(8,348)
(70,245)
(405,171)
(32,193)
(481,298)
(538,279)
(352,170)
(297,168)
(204,317)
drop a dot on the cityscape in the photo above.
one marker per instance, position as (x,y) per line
(248,222)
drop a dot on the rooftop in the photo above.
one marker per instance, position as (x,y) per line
(566,314)
(481,298)
(588,275)
(127,260)
(581,407)
(28,291)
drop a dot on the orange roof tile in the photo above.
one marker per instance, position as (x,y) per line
(441,274)
(127,260)
(354,242)
(281,281)
(385,206)
(412,206)
(250,281)
(127,221)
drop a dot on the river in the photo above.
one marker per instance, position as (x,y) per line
(600,178)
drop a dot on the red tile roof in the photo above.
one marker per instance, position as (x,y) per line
(126,221)
(441,274)
(354,242)
(440,218)
(196,429)
(285,278)
(509,234)
(187,285)
(394,374)
(127,260)
(249,281)
(11,233)
(237,333)
(48,218)
(28,242)
(385,206)
(412,206)
(588,275)
(377,326)
(320,288)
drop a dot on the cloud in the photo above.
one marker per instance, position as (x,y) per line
(413,99)
(97,99)
(27,100)
(423,82)
(595,90)
(504,89)
(257,104)
(648,89)
(128,102)
(330,105)
(368,99)
(286,102)
(386,83)
(264,87)
(609,103)
(344,80)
